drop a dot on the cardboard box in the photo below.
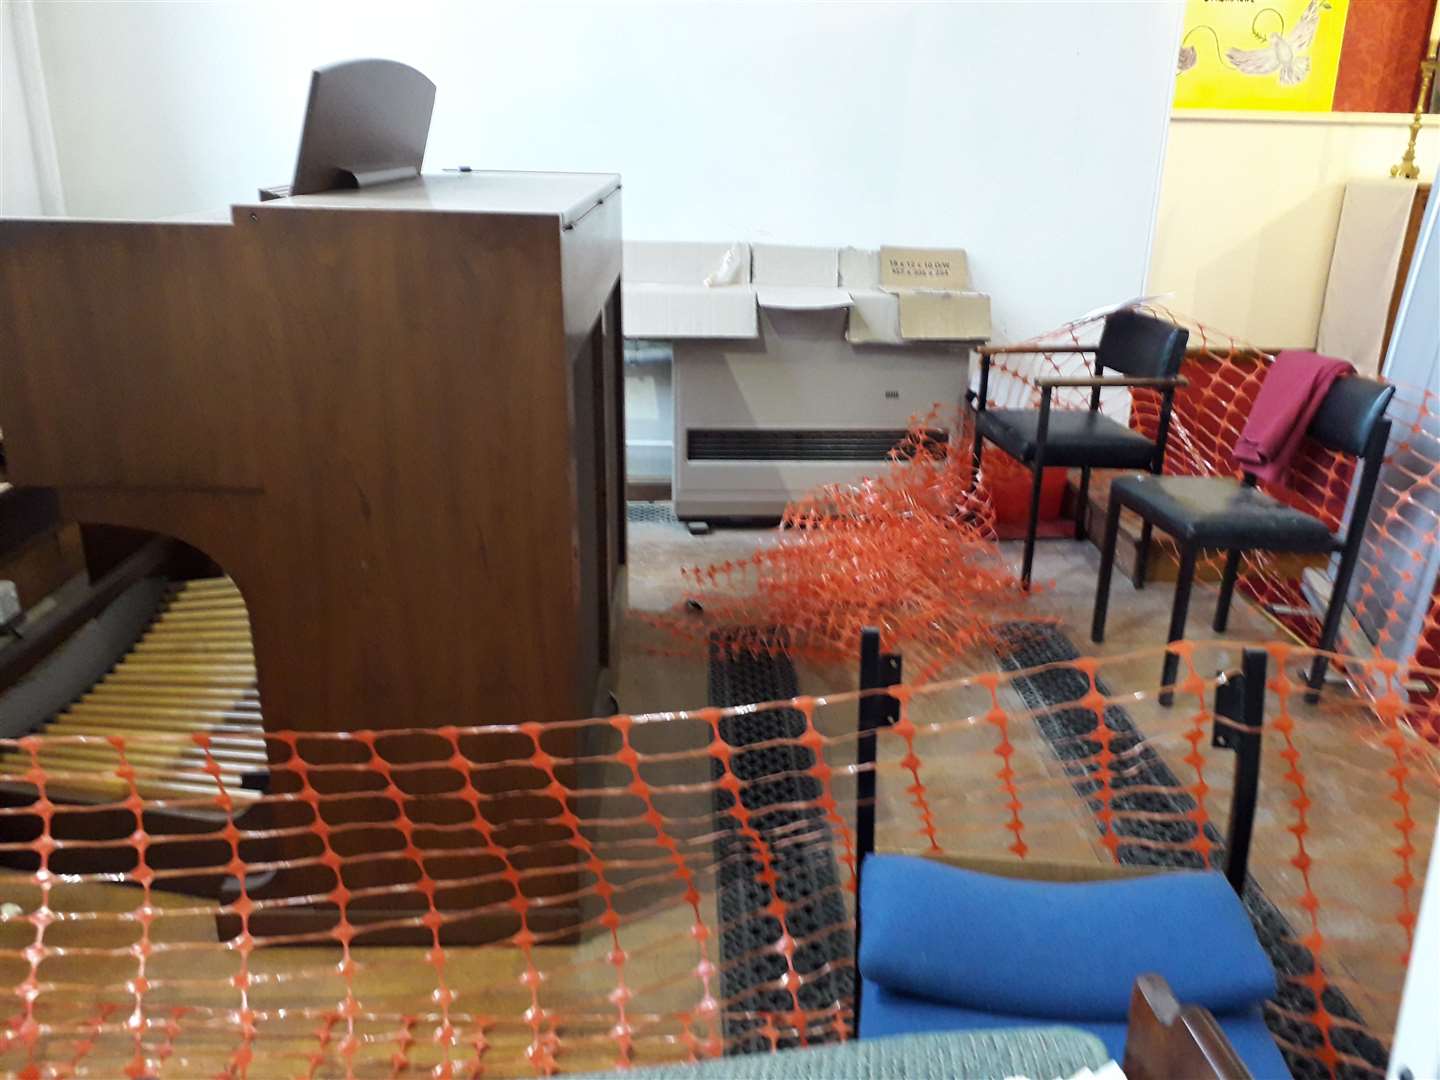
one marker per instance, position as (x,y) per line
(680,264)
(894,294)
(666,295)
(874,313)
(944,316)
(859,268)
(913,294)
(783,264)
(874,318)
(798,278)
(665,312)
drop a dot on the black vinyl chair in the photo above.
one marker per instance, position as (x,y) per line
(1221,512)
(1147,351)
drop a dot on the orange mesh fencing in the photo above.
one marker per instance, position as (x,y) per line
(893,552)
(710,916)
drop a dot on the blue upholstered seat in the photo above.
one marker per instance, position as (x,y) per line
(949,949)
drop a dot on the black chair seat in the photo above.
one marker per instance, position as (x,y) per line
(1218,512)
(1074,438)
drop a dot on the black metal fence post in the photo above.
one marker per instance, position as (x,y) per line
(877,670)
(1242,701)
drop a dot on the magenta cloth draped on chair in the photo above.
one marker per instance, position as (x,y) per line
(1294,387)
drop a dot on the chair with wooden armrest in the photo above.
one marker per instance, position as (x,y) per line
(1147,352)
(1165,1039)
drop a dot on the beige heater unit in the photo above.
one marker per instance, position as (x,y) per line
(796,367)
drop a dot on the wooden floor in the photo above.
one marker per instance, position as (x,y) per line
(191,673)
(315,1012)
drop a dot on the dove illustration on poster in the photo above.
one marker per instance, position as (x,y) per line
(1285,54)
(1271,55)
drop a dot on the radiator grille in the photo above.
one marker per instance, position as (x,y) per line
(790,444)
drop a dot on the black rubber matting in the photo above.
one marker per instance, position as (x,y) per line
(1028,645)
(797,839)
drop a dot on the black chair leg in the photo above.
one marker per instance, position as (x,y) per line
(1178,612)
(975,450)
(1142,557)
(1107,565)
(1227,589)
(1316,679)
(1082,504)
(1035,489)
(1334,611)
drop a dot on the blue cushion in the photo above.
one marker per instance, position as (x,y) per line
(1056,950)
(886,1012)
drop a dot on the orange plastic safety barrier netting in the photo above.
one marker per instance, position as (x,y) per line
(893,552)
(678,905)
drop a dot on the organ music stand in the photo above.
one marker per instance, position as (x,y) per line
(366,122)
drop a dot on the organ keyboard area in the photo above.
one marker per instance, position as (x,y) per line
(414,518)
(192,672)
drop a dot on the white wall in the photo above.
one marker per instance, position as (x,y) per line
(1248,211)
(1029,133)
(29,184)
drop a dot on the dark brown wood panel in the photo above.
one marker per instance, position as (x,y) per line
(44,564)
(409,559)
(141,333)
(421,455)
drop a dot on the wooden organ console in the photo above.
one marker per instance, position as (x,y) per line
(392,415)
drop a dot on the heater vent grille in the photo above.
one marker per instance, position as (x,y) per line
(792,444)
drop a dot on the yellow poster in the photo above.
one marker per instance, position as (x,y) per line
(1260,54)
